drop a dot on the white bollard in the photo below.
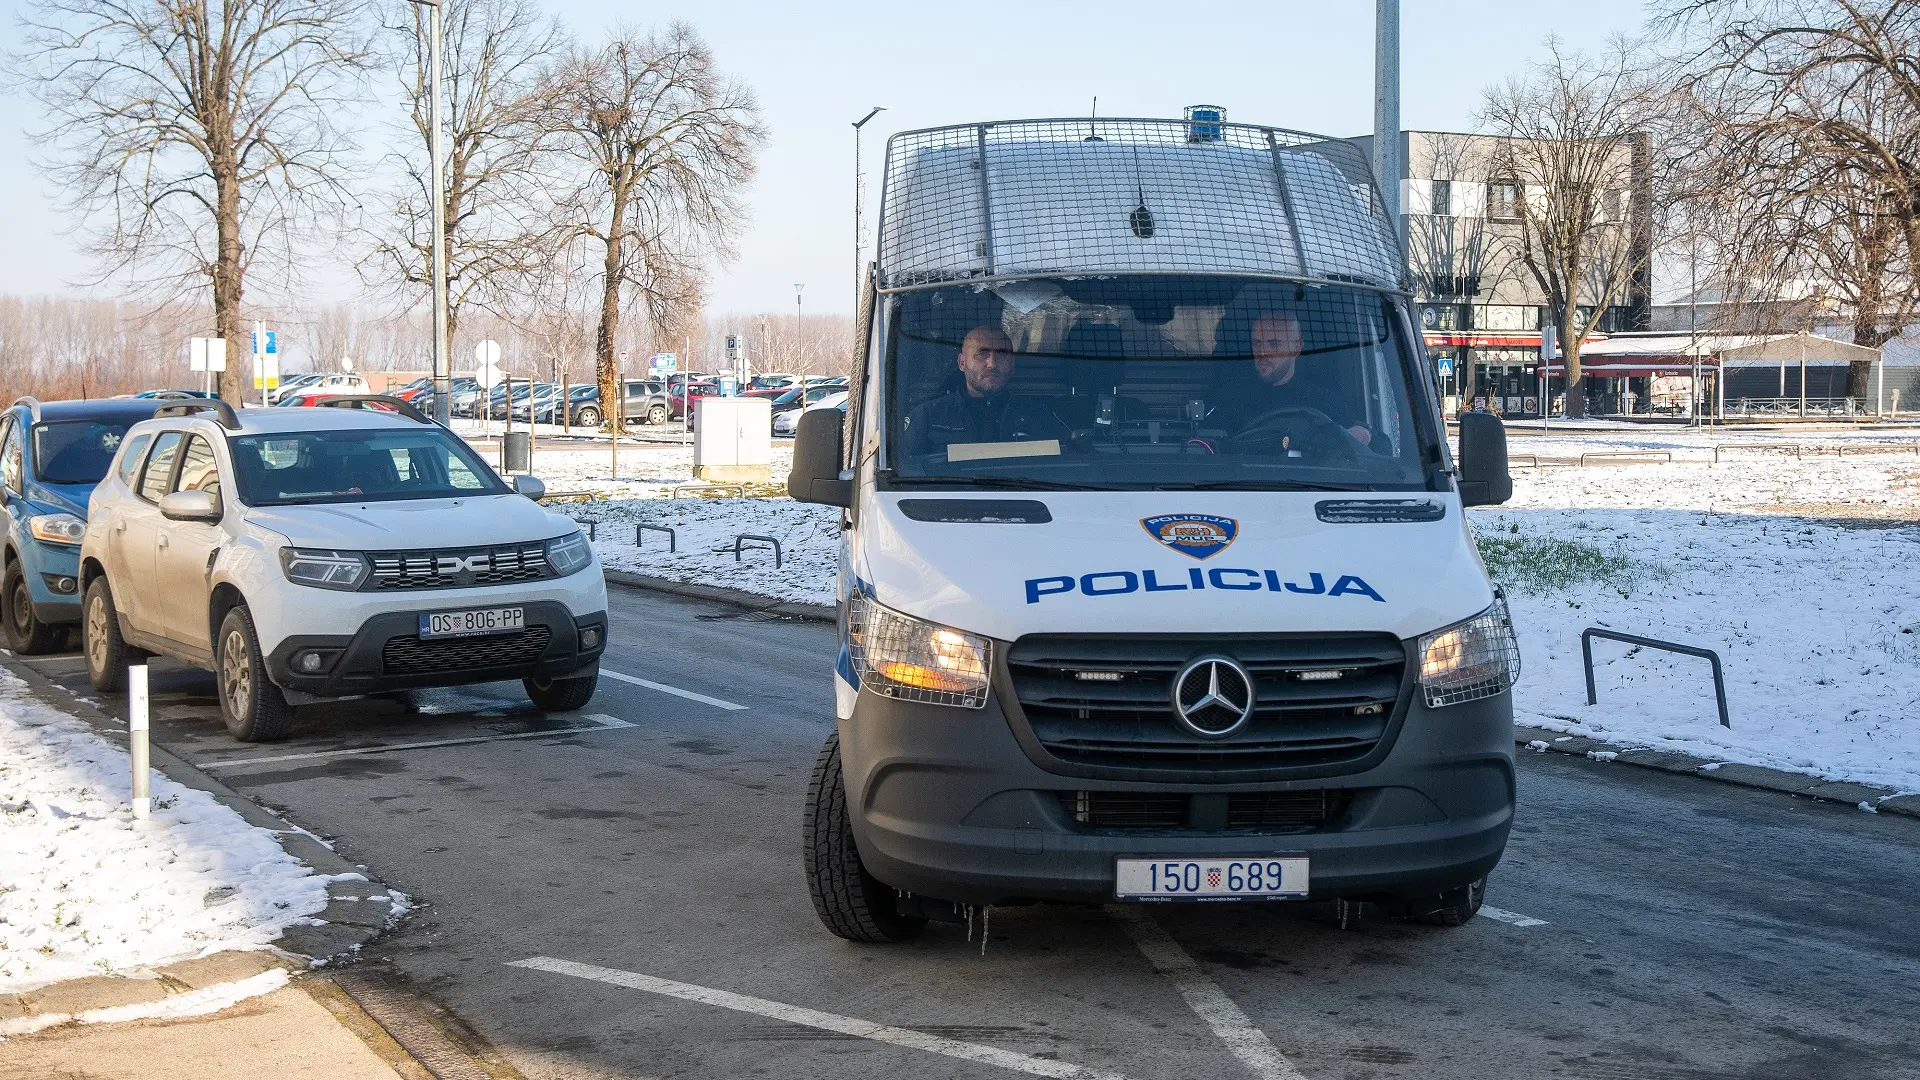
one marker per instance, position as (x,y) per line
(137,738)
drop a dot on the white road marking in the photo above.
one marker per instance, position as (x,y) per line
(825,1021)
(674,690)
(1210,1003)
(601,722)
(1511,918)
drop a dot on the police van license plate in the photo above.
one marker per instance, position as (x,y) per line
(1259,878)
(493,620)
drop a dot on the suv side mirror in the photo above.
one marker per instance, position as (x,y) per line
(190,506)
(816,460)
(530,486)
(1484,479)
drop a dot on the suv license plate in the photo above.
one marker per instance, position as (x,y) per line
(1269,877)
(493,620)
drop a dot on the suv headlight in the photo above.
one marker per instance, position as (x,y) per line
(1470,660)
(913,660)
(569,553)
(57,528)
(342,570)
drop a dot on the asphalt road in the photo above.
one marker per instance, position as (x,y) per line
(647,853)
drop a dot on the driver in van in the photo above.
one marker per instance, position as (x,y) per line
(1277,343)
(979,410)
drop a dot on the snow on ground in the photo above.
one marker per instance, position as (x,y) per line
(86,890)
(1802,572)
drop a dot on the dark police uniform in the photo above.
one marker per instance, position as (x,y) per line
(958,417)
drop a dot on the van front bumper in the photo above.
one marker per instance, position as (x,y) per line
(946,804)
(388,654)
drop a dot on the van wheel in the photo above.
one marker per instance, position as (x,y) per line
(108,654)
(657,414)
(560,695)
(588,416)
(851,902)
(254,709)
(26,634)
(1454,907)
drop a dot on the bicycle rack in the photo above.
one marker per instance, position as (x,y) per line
(1719,679)
(591,527)
(673,538)
(756,536)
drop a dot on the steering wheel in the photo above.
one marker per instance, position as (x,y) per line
(1297,427)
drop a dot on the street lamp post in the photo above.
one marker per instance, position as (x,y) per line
(442,361)
(797,361)
(859,180)
(1386,106)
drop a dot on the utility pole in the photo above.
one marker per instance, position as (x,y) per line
(859,181)
(1386,106)
(442,359)
(797,362)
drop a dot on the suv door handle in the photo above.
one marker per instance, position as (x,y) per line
(163,539)
(119,524)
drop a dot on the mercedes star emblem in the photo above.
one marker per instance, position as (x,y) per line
(1213,696)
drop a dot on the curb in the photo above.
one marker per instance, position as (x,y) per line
(73,1000)
(357,908)
(1866,796)
(740,598)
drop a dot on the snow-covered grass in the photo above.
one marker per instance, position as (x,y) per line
(86,890)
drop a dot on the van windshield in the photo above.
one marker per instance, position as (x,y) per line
(358,465)
(1156,382)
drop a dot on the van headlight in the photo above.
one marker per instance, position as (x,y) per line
(569,553)
(910,659)
(342,570)
(57,528)
(1470,660)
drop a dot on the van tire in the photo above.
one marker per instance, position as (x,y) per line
(852,903)
(1453,907)
(560,695)
(107,653)
(253,707)
(26,634)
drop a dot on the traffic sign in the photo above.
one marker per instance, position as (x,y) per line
(206,354)
(273,342)
(487,354)
(1446,366)
(665,363)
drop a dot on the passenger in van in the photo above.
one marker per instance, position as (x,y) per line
(979,409)
(1277,343)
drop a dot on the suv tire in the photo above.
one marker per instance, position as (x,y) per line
(561,695)
(588,416)
(254,709)
(108,654)
(1454,907)
(850,902)
(26,634)
(657,414)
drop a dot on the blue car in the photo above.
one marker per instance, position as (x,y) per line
(51,456)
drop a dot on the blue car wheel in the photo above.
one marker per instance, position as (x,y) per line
(26,634)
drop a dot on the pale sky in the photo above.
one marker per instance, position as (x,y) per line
(817,67)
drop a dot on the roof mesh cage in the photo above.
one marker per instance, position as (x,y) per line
(1051,197)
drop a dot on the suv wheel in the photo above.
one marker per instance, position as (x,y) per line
(108,654)
(588,416)
(1454,907)
(26,634)
(657,414)
(851,902)
(255,710)
(560,695)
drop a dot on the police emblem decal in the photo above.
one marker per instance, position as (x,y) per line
(1200,535)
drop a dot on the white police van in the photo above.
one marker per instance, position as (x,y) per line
(1155,583)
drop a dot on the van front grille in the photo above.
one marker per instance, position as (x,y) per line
(1259,811)
(1107,699)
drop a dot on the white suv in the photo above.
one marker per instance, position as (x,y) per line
(305,554)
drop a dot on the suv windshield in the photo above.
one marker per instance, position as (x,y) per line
(1156,381)
(358,465)
(76,451)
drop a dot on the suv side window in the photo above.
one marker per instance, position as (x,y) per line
(13,456)
(130,461)
(199,470)
(159,474)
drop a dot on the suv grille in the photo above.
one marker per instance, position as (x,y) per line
(412,656)
(1123,716)
(458,568)
(1260,811)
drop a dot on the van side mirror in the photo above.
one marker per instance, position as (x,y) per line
(816,460)
(1484,479)
(530,486)
(190,506)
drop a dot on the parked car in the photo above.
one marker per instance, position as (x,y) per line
(789,401)
(679,403)
(288,551)
(539,398)
(784,424)
(51,456)
(772,380)
(172,394)
(337,382)
(377,402)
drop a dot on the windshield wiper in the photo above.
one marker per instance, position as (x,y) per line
(1005,483)
(1262,485)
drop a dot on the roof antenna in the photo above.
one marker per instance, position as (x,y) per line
(1142,218)
(1091,137)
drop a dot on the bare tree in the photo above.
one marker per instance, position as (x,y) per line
(1812,168)
(661,143)
(498,226)
(1570,165)
(195,136)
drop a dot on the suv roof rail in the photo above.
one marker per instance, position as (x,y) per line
(220,408)
(32,403)
(354,401)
